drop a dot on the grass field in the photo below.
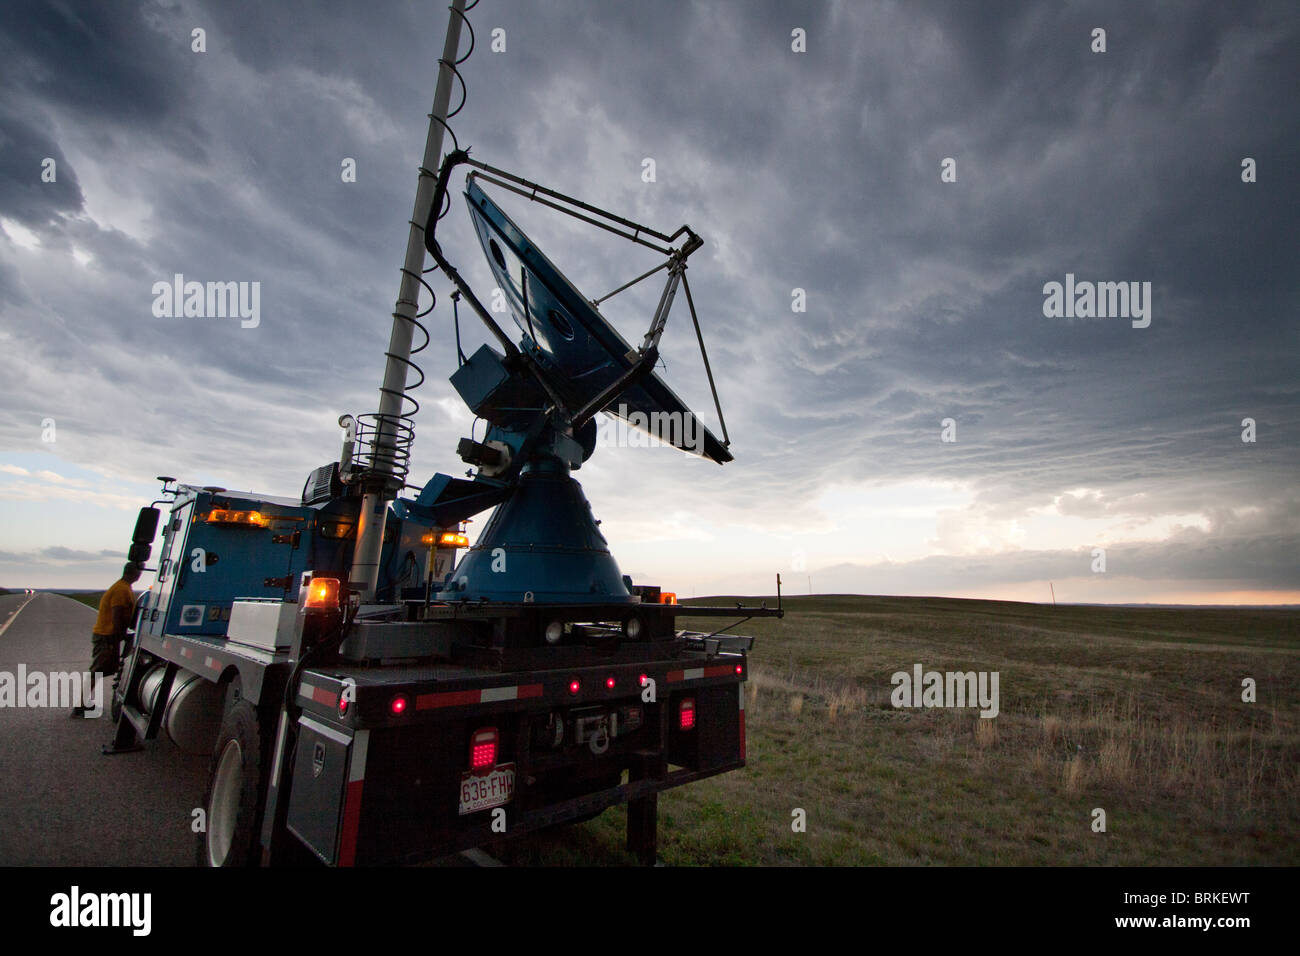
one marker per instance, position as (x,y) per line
(88,598)
(1136,711)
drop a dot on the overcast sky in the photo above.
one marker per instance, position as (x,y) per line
(819,170)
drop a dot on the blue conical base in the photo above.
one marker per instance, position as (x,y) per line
(541,544)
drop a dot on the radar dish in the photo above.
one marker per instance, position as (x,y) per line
(578,349)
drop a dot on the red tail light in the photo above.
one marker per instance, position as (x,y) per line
(610,682)
(483,748)
(397,706)
(686,714)
(574,686)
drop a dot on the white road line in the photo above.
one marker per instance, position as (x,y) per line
(14,616)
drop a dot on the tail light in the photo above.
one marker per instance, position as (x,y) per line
(483,748)
(397,706)
(686,714)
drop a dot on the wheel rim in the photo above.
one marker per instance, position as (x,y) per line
(224,807)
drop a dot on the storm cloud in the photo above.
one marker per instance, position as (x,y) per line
(820,171)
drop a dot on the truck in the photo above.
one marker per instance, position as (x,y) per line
(372,689)
(403,729)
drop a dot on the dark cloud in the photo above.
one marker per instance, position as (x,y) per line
(817,170)
(24,195)
(112,60)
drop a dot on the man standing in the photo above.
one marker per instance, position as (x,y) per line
(115,610)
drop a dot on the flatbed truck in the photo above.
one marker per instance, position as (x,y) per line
(391,732)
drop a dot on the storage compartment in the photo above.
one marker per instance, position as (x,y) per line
(264,624)
(320,774)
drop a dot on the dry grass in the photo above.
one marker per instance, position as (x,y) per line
(1074,773)
(1137,711)
(845,700)
(1114,763)
(1051,730)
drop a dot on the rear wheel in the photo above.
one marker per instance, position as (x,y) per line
(235,785)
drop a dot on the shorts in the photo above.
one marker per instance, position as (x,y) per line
(105,659)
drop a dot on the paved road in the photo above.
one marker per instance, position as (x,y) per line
(61,801)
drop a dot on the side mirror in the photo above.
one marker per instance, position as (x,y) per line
(146,529)
(146,526)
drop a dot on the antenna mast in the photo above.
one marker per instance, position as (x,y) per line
(386,473)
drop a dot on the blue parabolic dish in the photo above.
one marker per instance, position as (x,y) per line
(576,346)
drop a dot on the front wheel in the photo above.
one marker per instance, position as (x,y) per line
(234,796)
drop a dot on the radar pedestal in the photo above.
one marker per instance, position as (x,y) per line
(541,545)
(539,399)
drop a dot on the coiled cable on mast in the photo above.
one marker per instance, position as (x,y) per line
(393,454)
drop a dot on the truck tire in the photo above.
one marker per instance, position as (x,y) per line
(234,795)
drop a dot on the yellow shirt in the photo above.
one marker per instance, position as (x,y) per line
(119,595)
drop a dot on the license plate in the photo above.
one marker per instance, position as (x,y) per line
(479,790)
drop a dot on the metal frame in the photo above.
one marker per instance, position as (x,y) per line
(392,426)
(675,263)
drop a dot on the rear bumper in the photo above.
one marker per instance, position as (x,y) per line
(391,793)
